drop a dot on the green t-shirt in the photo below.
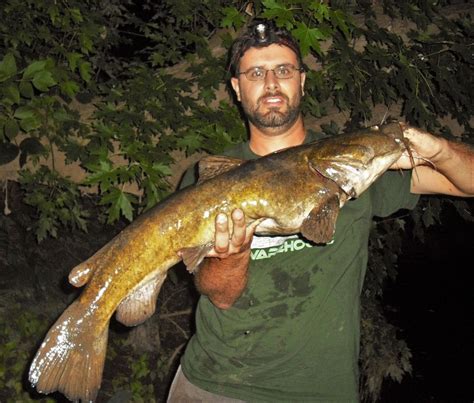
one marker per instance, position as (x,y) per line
(293,335)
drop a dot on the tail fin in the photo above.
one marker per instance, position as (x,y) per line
(71,357)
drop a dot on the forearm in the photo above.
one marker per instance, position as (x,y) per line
(223,280)
(456,162)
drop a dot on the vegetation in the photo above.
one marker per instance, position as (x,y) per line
(153,78)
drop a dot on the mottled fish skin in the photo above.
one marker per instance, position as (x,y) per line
(299,189)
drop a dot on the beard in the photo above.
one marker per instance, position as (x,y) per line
(274,117)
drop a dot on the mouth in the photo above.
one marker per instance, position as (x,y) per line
(273,101)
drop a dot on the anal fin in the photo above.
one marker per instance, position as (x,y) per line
(319,226)
(140,304)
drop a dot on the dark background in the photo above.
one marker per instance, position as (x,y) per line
(432,303)
(431,300)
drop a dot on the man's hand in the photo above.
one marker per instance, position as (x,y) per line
(222,276)
(424,147)
(226,244)
(441,166)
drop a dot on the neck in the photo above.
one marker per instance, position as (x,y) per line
(264,141)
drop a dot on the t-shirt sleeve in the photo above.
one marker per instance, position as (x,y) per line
(391,192)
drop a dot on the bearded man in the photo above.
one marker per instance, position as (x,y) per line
(278,318)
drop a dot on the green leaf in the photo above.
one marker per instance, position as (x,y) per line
(163,169)
(232,18)
(12,94)
(43,80)
(46,225)
(341,20)
(61,115)
(26,89)
(86,43)
(321,10)
(308,38)
(121,203)
(102,174)
(53,12)
(29,119)
(85,70)
(30,124)
(7,67)
(33,69)
(69,88)
(190,142)
(76,14)
(24,112)
(73,59)
(11,128)
(276,11)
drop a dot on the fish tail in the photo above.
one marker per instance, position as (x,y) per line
(71,357)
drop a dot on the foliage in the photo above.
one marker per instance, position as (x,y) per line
(383,355)
(18,332)
(59,204)
(145,113)
(153,75)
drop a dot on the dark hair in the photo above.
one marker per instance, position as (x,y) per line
(259,34)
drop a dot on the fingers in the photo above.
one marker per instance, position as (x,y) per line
(226,244)
(239,228)
(221,241)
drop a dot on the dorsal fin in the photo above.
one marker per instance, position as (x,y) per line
(214,165)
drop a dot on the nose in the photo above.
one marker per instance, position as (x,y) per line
(271,82)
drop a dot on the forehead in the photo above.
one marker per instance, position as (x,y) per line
(268,56)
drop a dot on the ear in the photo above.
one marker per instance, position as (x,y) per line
(235,85)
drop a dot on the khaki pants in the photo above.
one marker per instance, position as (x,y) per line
(183,391)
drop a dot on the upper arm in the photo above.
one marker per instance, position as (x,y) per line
(426,180)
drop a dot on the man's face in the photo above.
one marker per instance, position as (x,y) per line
(272,102)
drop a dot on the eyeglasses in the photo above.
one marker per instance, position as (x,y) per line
(282,72)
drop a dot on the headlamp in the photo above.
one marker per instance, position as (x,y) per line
(261,32)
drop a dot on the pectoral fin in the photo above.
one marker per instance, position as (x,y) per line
(81,274)
(319,226)
(140,304)
(214,165)
(192,257)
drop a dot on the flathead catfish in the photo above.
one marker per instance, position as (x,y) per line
(296,190)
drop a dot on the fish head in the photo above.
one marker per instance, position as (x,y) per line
(354,161)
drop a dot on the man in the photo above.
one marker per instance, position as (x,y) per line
(278,319)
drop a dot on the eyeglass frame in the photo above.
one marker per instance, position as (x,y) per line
(290,66)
